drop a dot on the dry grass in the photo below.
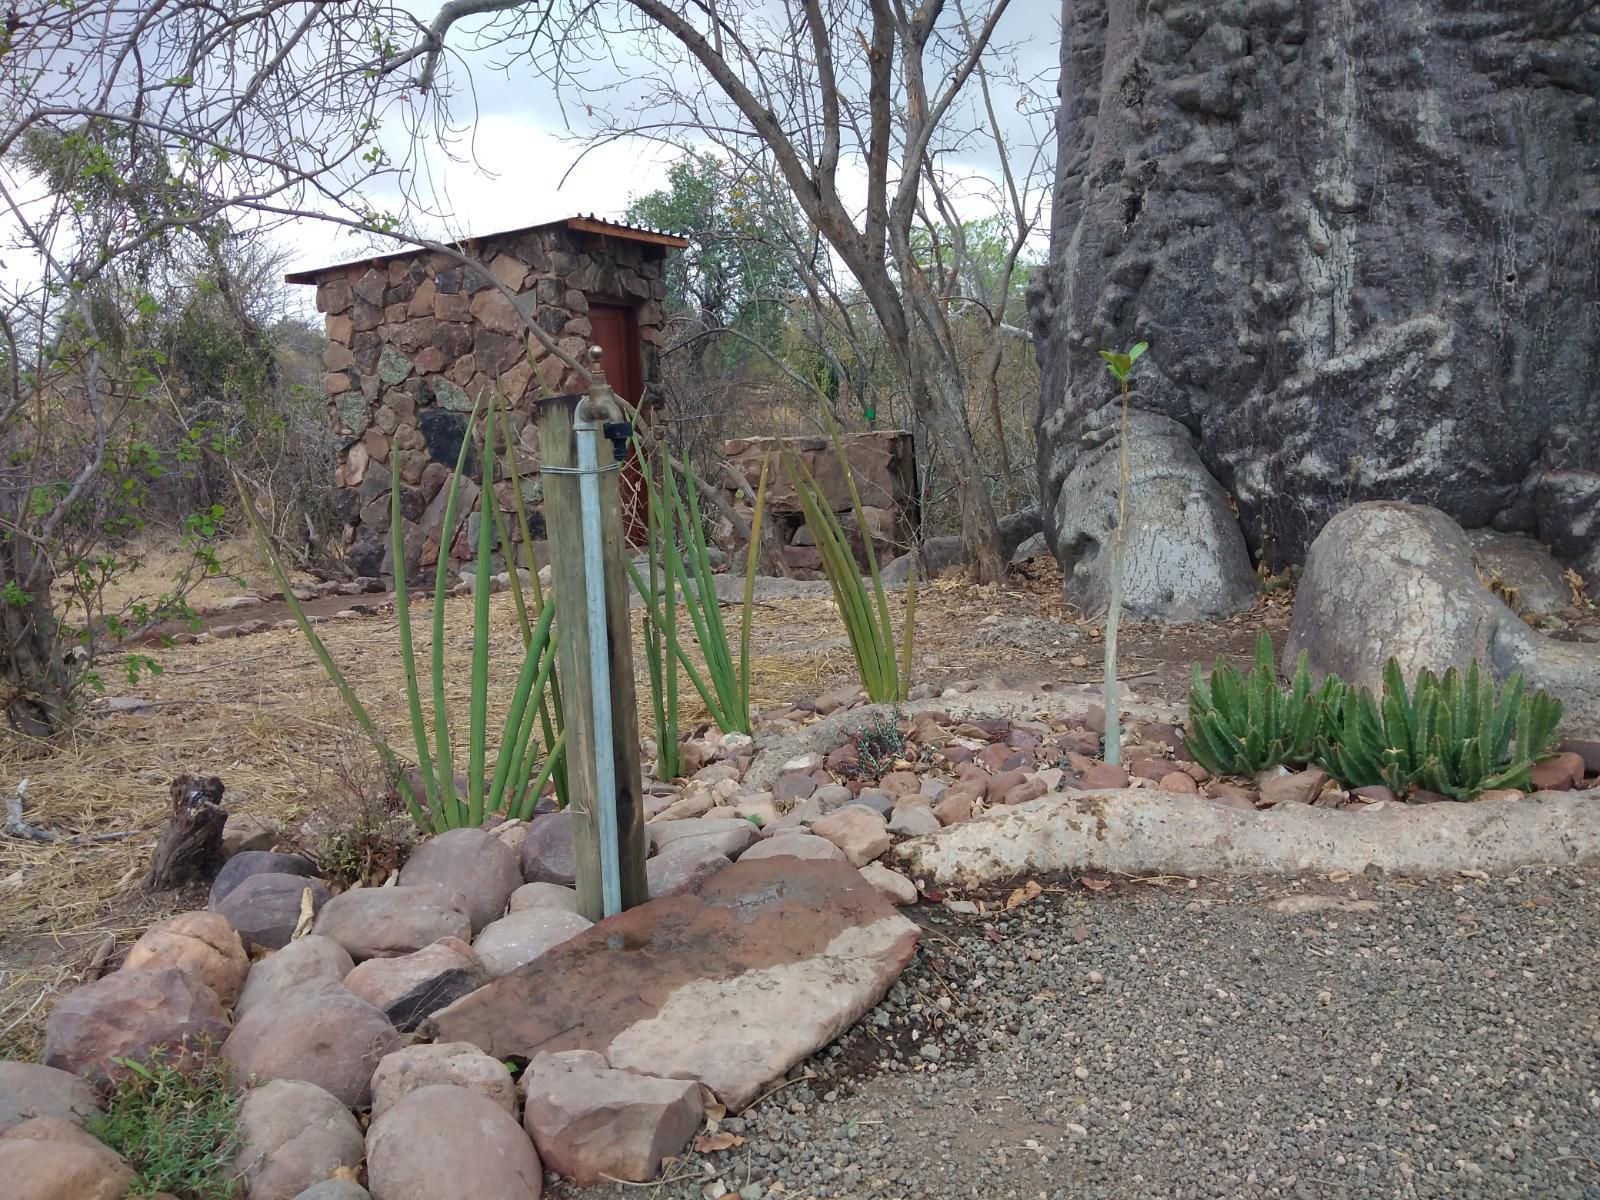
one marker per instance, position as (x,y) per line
(259,712)
(161,561)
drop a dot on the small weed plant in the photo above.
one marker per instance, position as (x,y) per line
(880,744)
(177,1124)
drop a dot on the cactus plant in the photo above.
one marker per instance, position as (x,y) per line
(1457,736)
(1241,725)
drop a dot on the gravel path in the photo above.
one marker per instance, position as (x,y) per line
(1168,1041)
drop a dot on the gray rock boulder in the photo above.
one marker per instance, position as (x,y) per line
(1348,287)
(1388,580)
(1184,558)
(29,1090)
(471,862)
(450,1141)
(1520,571)
(306,963)
(408,988)
(130,1016)
(294,1135)
(517,939)
(323,1035)
(457,1064)
(387,922)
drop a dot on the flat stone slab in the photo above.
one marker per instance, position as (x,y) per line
(782,954)
(1140,831)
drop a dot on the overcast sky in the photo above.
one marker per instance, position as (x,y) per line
(520,161)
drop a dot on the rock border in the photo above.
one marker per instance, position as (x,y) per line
(1142,832)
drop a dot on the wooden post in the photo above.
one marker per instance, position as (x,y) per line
(563,520)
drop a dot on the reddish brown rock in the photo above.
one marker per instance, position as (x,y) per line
(862,834)
(891,885)
(543,895)
(997,786)
(293,1135)
(1298,787)
(1178,781)
(408,988)
(471,863)
(202,945)
(29,1090)
(547,849)
(1028,789)
(1233,796)
(443,1141)
(954,808)
(590,1123)
(794,845)
(457,1064)
(310,961)
(249,863)
(130,1015)
(1103,775)
(1150,768)
(266,909)
(788,953)
(324,1035)
(48,1158)
(1558,773)
(729,836)
(390,921)
(680,868)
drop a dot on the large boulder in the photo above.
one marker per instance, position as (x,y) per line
(406,989)
(516,940)
(387,922)
(450,1141)
(202,944)
(1183,556)
(250,863)
(323,1035)
(293,1135)
(472,863)
(1387,580)
(547,852)
(458,1064)
(1521,571)
(131,1015)
(592,1124)
(1335,232)
(266,908)
(48,1158)
(787,953)
(29,1090)
(304,963)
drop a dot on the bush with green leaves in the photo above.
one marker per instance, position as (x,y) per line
(1458,736)
(1239,725)
(177,1124)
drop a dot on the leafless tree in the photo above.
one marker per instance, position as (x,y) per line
(829,90)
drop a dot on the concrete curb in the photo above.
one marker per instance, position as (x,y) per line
(1137,832)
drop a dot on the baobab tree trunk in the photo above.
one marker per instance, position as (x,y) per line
(1360,240)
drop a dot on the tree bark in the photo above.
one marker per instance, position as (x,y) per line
(190,849)
(37,685)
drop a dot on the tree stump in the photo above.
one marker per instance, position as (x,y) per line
(190,849)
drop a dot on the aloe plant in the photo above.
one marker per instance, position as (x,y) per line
(1121,366)
(685,570)
(509,785)
(1239,725)
(866,616)
(1458,735)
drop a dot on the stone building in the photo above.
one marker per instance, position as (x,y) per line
(416,337)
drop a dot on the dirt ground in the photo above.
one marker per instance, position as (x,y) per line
(259,712)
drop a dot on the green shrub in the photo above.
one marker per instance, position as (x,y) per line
(177,1125)
(1242,725)
(880,744)
(1458,736)
(866,614)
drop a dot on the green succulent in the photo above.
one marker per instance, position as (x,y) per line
(1239,725)
(1458,735)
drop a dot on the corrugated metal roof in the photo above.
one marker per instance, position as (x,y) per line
(579,224)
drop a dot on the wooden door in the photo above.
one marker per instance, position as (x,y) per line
(616,331)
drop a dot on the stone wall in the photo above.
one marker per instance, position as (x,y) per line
(884,465)
(415,339)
